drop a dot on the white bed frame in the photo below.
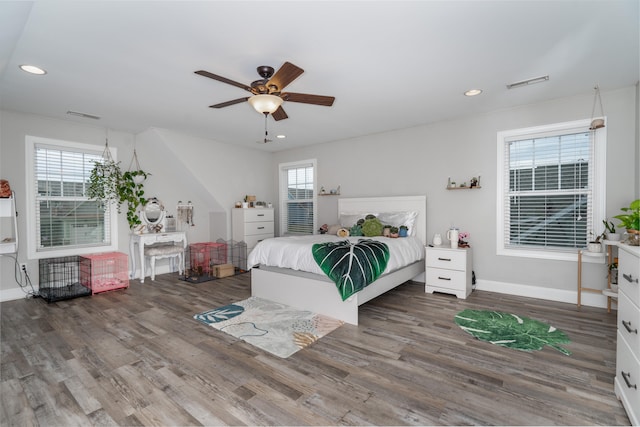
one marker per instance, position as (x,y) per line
(318,293)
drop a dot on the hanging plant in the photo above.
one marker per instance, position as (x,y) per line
(108,184)
(131,191)
(104,180)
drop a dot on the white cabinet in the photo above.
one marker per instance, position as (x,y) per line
(448,271)
(252,225)
(8,225)
(628,343)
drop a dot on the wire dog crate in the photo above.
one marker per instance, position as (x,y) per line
(60,279)
(104,272)
(212,260)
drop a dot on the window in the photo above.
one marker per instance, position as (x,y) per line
(298,198)
(550,189)
(62,220)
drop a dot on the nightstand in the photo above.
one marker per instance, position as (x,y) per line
(449,271)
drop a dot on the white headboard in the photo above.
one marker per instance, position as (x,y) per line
(390,204)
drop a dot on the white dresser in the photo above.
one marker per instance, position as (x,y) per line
(252,225)
(627,381)
(448,271)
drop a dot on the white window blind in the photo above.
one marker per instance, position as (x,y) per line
(298,198)
(64,218)
(550,197)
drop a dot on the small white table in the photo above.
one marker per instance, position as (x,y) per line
(146,239)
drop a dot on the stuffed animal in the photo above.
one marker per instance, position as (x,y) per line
(343,232)
(5,188)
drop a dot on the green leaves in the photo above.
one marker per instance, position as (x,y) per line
(352,266)
(510,330)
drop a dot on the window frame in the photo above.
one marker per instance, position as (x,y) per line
(283,190)
(32,230)
(598,185)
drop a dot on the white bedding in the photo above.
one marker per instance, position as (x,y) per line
(295,252)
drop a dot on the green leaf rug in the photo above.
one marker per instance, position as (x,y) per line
(510,330)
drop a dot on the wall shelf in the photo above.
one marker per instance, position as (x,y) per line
(464,188)
(328,194)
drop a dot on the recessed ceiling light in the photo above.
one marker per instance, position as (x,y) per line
(281,136)
(473,92)
(32,69)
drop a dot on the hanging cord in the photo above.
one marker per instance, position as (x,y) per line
(266,133)
(134,158)
(597,98)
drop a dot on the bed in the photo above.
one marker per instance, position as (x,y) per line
(316,292)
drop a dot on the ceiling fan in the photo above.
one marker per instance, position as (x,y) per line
(267,95)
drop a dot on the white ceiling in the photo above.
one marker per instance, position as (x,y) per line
(390,64)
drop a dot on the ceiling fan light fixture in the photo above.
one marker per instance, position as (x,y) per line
(265,104)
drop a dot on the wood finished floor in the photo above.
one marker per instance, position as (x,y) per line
(137,357)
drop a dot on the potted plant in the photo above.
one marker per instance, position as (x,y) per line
(403,231)
(610,231)
(104,182)
(131,191)
(631,221)
(393,232)
(594,245)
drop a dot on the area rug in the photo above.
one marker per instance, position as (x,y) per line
(277,328)
(510,330)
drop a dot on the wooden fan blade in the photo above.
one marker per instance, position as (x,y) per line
(305,98)
(285,75)
(279,114)
(228,103)
(223,79)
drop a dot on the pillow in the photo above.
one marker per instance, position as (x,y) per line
(349,219)
(399,218)
(333,229)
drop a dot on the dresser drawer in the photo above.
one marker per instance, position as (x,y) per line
(627,378)
(628,274)
(258,214)
(447,279)
(455,259)
(629,323)
(253,240)
(253,228)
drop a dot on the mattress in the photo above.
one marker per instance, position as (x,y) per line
(294,252)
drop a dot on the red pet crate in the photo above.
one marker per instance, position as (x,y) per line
(104,272)
(203,256)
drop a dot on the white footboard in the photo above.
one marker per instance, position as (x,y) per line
(320,295)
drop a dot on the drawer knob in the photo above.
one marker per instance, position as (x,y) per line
(627,326)
(630,278)
(627,379)
(444,278)
(444,259)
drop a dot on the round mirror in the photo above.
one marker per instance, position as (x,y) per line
(153,212)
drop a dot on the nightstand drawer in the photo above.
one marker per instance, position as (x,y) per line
(452,259)
(449,279)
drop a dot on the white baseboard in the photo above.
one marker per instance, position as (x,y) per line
(561,295)
(14,294)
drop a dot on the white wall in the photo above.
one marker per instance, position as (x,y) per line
(209,174)
(419,160)
(410,161)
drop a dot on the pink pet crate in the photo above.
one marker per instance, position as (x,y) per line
(203,256)
(104,272)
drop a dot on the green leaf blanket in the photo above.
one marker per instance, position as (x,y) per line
(352,266)
(510,330)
